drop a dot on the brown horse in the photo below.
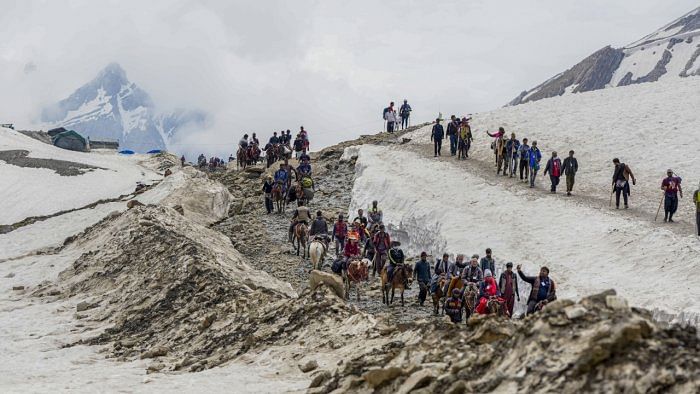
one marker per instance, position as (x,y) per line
(471,297)
(495,307)
(438,294)
(301,196)
(356,273)
(402,273)
(301,235)
(278,197)
(242,158)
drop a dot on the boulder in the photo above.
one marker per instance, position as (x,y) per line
(417,380)
(133,203)
(308,366)
(574,312)
(320,378)
(158,351)
(617,303)
(83,306)
(333,282)
(378,376)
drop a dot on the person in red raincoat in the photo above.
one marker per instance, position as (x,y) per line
(489,289)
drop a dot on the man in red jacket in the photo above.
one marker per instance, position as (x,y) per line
(554,170)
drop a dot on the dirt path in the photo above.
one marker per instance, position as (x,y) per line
(487,171)
(262,238)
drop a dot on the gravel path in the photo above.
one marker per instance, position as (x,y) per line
(64,168)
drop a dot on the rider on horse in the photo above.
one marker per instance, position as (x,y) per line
(282,178)
(396,258)
(361,221)
(319,227)
(351,250)
(243,143)
(301,215)
(382,243)
(304,168)
(254,140)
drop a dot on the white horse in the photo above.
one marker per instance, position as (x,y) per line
(317,253)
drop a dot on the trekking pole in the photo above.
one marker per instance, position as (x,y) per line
(611,194)
(659,209)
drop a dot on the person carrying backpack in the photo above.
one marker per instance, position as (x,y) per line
(620,182)
(437,134)
(570,169)
(554,169)
(405,113)
(534,157)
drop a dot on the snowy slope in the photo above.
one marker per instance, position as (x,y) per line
(26,192)
(672,52)
(462,207)
(112,107)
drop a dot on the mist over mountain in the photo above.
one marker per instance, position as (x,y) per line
(112,107)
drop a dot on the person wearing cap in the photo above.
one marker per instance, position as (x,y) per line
(543,291)
(319,227)
(570,168)
(396,257)
(454,305)
(421,273)
(267,190)
(436,135)
(620,182)
(487,262)
(473,272)
(382,243)
(671,185)
(340,232)
(508,286)
(553,167)
(351,250)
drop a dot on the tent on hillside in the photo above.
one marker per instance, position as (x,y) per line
(126,152)
(154,151)
(70,140)
(56,131)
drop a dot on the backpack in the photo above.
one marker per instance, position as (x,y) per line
(306,182)
(298,144)
(556,168)
(341,229)
(337,266)
(384,112)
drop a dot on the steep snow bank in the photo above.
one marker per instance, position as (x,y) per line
(437,207)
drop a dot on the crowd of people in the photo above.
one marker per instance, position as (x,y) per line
(278,147)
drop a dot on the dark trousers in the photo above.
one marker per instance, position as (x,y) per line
(268,204)
(422,292)
(697,222)
(453,144)
(404,122)
(555,182)
(510,303)
(438,146)
(531,307)
(390,126)
(569,183)
(670,206)
(624,190)
(524,169)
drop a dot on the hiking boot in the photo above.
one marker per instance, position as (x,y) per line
(671,221)
(626,206)
(568,193)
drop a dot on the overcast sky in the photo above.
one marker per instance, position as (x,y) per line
(328,65)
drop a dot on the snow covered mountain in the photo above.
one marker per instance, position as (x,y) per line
(670,52)
(112,107)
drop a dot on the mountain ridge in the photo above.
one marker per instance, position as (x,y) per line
(112,107)
(669,52)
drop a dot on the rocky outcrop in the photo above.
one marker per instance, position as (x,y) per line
(653,75)
(597,345)
(593,73)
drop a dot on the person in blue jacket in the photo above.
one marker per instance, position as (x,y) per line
(437,135)
(534,157)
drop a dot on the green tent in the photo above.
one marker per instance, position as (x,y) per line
(70,140)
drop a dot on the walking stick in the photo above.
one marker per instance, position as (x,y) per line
(659,209)
(611,194)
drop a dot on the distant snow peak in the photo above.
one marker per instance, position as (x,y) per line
(112,107)
(670,52)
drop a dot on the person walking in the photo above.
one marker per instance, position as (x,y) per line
(465,138)
(340,232)
(421,272)
(524,154)
(437,134)
(452,130)
(534,157)
(554,169)
(570,169)
(512,146)
(696,199)
(671,185)
(390,117)
(267,189)
(508,285)
(405,113)
(620,182)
